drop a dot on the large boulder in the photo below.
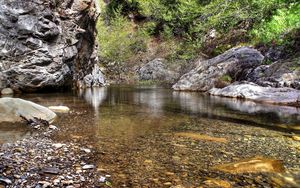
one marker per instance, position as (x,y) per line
(247,90)
(12,108)
(284,73)
(230,66)
(156,70)
(46,44)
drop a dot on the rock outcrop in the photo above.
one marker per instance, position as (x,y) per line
(46,44)
(12,108)
(284,73)
(156,70)
(232,66)
(245,90)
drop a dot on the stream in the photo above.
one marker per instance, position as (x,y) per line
(155,137)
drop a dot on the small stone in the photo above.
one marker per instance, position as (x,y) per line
(58,145)
(102,179)
(147,161)
(50,170)
(7,91)
(37,127)
(6,180)
(56,181)
(296,138)
(45,184)
(85,167)
(86,150)
(168,184)
(59,109)
(53,127)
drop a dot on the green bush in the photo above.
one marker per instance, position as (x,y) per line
(118,39)
(283,22)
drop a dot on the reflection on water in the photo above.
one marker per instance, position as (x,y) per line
(94,96)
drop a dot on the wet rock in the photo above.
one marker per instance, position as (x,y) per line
(7,91)
(12,108)
(196,136)
(246,90)
(59,109)
(231,66)
(253,165)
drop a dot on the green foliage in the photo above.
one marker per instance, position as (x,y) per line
(119,40)
(283,22)
(185,24)
(226,78)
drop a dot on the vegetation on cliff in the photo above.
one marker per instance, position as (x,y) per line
(181,29)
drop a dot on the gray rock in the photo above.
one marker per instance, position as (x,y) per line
(46,44)
(12,108)
(285,73)
(156,70)
(247,90)
(234,63)
(7,91)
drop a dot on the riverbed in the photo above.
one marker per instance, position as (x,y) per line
(154,137)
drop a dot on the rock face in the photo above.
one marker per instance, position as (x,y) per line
(284,96)
(156,70)
(279,74)
(46,44)
(12,108)
(233,65)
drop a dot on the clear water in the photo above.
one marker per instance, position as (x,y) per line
(133,130)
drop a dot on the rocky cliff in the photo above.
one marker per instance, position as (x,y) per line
(48,44)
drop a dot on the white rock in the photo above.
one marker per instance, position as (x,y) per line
(85,167)
(7,91)
(12,108)
(59,109)
(53,127)
(86,150)
(58,145)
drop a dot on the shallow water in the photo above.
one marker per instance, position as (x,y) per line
(134,131)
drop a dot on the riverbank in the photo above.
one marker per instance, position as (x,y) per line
(40,161)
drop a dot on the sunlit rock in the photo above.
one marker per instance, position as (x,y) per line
(12,108)
(246,90)
(252,165)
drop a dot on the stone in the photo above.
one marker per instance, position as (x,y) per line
(247,90)
(220,71)
(12,108)
(283,73)
(53,127)
(59,109)
(7,91)
(50,170)
(5,180)
(86,167)
(196,136)
(156,70)
(45,45)
(296,138)
(58,145)
(252,165)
